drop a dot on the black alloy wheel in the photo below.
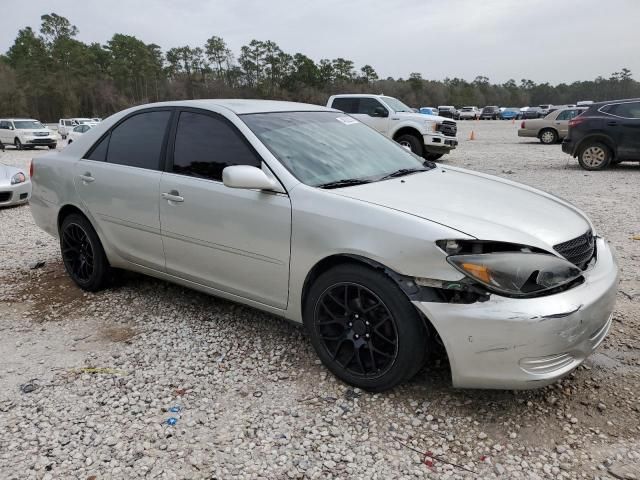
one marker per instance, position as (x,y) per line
(82,253)
(357,329)
(364,328)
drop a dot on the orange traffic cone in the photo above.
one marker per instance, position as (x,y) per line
(472,136)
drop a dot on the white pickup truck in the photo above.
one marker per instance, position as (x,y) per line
(429,136)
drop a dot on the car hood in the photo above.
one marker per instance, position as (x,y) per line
(419,117)
(478,205)
(6,172)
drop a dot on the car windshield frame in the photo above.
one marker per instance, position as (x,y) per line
(27,125)
(320,148)
(396,105)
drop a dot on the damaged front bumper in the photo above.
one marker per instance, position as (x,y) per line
(513,343)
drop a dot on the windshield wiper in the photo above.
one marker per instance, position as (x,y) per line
(402,172)
(345,182)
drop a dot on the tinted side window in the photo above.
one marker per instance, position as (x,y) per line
(628,110)
(205,145)
(368,105)
(137,142)
(347,105)
(99,150)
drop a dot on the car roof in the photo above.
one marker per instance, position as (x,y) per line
(601,104)
(243,106)
(19,119)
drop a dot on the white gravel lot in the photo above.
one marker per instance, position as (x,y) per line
(88,379)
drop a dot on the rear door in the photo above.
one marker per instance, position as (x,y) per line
(118,181)
(626,121)
(233,240)
(364,109)
(5,133)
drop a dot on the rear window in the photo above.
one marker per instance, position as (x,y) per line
(137,142)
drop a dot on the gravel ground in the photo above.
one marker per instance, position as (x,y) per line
(89,380)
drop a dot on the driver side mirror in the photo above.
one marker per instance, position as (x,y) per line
(379,112)
(10,127)
(247,177)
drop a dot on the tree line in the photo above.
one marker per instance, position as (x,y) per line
(50,74)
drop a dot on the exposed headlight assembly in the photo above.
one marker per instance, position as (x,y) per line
(516,273)
(18,178)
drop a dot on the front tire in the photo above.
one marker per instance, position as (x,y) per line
(18,144)
(594,156)
(411,141)
(82,253)
(52,147)
(432,156)
(363,327)
(548,136)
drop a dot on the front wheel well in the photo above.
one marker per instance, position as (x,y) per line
(408,131)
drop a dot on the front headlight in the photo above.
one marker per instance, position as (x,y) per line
(432,127)
(516,273)
(18,178)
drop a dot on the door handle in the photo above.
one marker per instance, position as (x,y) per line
(173,196)
(612,123)
(87,178)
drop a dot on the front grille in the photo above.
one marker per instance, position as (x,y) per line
(449,129)
(578,250)
(40,134)
(5,196)
(41,141)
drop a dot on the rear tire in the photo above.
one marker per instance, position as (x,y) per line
(548,136)
(363,327)
(594,156)
(414,143)
(82,253)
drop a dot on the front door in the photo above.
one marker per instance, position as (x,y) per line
(119,182)
(233,240)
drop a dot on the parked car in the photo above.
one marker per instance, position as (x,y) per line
(606,133)
(15,186)
(509,113)
(65,125)
(545,109)
(490,112)
(429,111)
(550,129)
(305,212)
(26,133)
(469,113)
(79,131)
(447,111)
(429,138)
(530,112)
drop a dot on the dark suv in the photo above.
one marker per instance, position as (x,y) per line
(491,112)
(608,132)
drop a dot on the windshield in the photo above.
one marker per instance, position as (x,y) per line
(396,105)
(324,147)
(27,124)
(467,109)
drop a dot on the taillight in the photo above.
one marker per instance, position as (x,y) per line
(576,121)
(31,169)
(522,124)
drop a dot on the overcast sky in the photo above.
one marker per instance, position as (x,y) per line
(543,40)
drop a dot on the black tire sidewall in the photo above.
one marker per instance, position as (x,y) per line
(412,334)
(603,165)
(101,269)
(416,145)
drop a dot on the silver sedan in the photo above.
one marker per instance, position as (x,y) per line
(305,212)
(15,186)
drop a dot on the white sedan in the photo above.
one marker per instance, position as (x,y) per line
(15,186)
(78,131)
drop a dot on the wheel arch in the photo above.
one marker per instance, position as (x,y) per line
(408,130)
(544,129)
(597,137)
(406,284)
(67,210)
